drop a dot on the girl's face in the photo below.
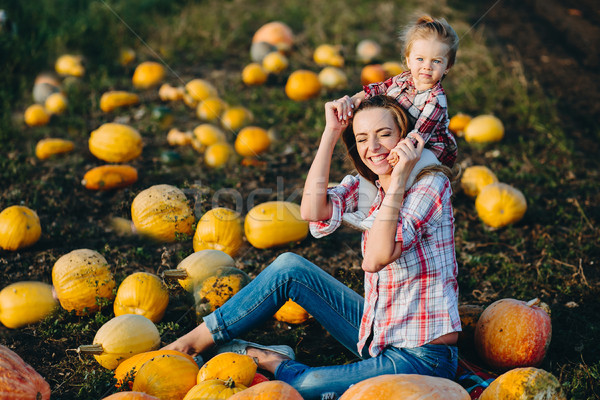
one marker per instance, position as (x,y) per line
(428,62)
(376,132)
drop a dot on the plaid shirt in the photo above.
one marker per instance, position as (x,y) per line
(413,300)
(430,116)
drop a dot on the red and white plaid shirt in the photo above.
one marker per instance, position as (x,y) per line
(428,111)
(413,300)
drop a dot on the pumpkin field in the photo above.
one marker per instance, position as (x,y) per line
(152,160)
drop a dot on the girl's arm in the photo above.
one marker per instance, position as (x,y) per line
(315,205)
(381,247)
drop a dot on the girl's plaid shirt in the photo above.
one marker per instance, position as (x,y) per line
(413,300)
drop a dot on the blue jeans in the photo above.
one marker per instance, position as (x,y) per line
(339,309)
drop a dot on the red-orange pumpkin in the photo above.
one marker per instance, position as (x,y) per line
(406,387)
(18,380)
(130,396)
(270,390)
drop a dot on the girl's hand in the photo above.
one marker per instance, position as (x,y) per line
(345,107)
(408,155)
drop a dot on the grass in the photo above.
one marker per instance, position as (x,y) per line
(549,254)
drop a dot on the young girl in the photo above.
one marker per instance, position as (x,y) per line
(408,321)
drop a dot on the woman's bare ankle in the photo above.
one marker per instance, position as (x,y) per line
(267,360)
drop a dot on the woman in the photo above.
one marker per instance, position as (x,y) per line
(408,320)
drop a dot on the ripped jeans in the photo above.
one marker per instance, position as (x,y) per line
(339,309)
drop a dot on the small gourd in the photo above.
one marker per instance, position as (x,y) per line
(458,123)
(148,74)
(198,266)
(107,177)
(24,303)
(219,229)
(175,137)
(167,92)
(217,155)
(274,223)
(484,129)
(252,141)
(168,377)
(56,104)
(328,55)
(70,65)
(254,74)
(19,228)
(115,143)
(126,56)
(200,89)
(18,380)
(499,204)
(45,84)
(302,85)
(474,178)
(524,384)
(238,367)
(234,118)
(117,98)
(275,63)
(36,115)
(291,313)
(368,50)
(269,390)
(214,389)
(125,372)
(48,147)
(210,109)
(142,293)
(333,78)
(207,134)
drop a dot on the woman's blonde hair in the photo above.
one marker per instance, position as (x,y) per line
(427,27)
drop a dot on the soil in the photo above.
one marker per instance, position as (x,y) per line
(558,44)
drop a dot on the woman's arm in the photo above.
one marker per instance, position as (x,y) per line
(315,205)
(381,247)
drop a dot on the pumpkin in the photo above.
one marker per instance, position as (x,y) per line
(458,123)
(252,141)
(302,85)
(254,74)
(24,303)
(125,372)
(18,380)
(235,118)
(46,148)
(56,104)
(392,68)
(167,92)
(45,84)
(214,389)
(220,229)
(258,378)
(126,56)
(130,396)
(238,367)
(216,155)
(36,115)
(117,98)
(469,315)
(275,63)
(175,137)
(513,333)
(274,223)
(81,276)
(333,78)
(499,204)
(212,292)
(483,129)
(200,89)
(168,377)
(291,313)
(147,75)
(276,33)
(107,177)
(406,387)
(208,134)
(162,212)
(19,228)
(198,266)
(474,178)
(367,50)
(122,337)
(327,54)
(142,293)
(372,73)
(524,384)
(210,108)
(115,143)
(258,50)
(270,390)
(69,65)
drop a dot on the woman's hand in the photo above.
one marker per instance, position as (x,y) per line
(333,122)
(346,105)
(404,157)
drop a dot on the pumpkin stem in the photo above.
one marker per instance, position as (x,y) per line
(90,349)
(533,302)
(175,274)
(230,383)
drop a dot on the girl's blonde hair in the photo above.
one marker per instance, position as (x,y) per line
(427,27)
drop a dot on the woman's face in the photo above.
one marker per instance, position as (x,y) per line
(376,133)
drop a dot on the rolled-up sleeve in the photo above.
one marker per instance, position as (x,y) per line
(343,198)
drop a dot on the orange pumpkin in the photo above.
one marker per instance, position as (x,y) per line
(252,141)
(18,380)
(148,74)
(270,390)
(302,85)
(168,377)
(107,177)
(214,389)
(125,372)
(372,73)
(292,313)
(130,396)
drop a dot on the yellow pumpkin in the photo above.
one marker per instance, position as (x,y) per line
(484,128)
(474,178)
(24,303)
(200,89)
(175,137)
(499,204)
(79,278)
(458,123)
(254,74)
(372,73)
(275,62)
(142,293)
(107,177)
(36,115)
(524,384)
(198,266)
(240,368)
(274,223)
(115,143)
(269,390)
(392,68)
(406,387)
(46,148)
(214,389)
(168,377)
(117,98)
(210,108)
(122,337)
(167,92)
(70,65)
(148,74)
(216,155)
(207,134)
(367,50)
(56,104)
(130,396)
(235,118)
(252,141)
(219,229)
(19,228)
(327,54)
(162,212)
(302,85)
(212,292)
(291,313)
(125,372)
(18,380)
(333,78)
(276,33)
